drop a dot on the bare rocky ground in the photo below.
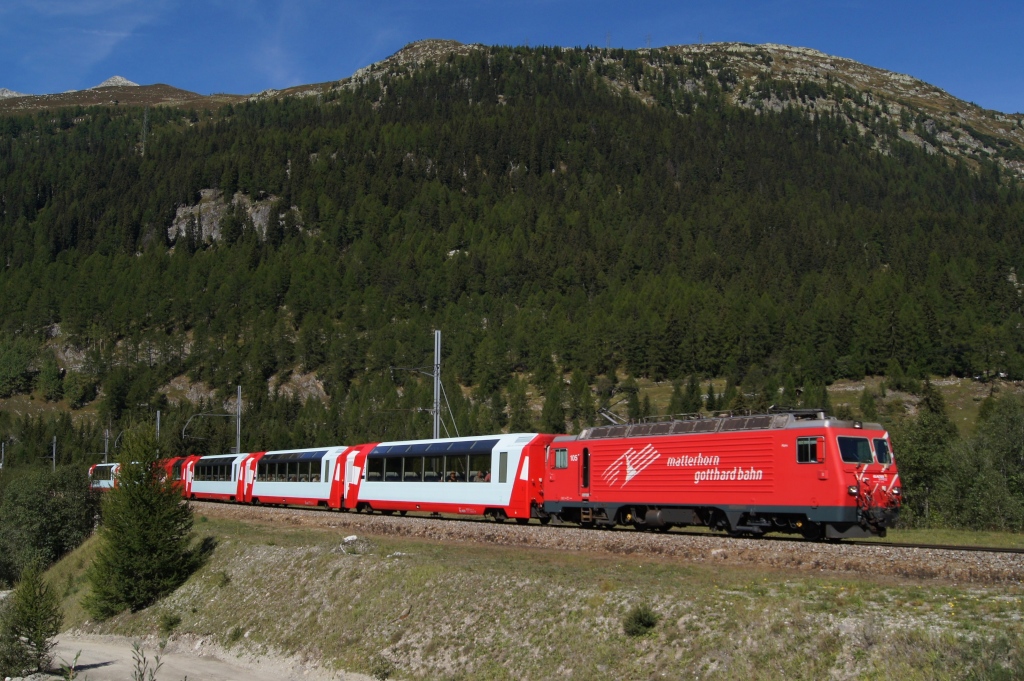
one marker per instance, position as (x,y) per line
(958,567)
(109,658)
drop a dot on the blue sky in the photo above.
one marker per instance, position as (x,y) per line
(971,49)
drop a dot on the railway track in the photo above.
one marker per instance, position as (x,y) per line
(872,559)
(939,547)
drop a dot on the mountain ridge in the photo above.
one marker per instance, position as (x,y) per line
(768,76)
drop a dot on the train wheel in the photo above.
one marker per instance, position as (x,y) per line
(402,513)
(813,531)
(545,521)
(523,521)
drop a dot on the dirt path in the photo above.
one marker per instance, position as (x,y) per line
(109,658)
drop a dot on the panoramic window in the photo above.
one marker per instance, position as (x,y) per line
(433,468)
(480,468)
(374,470)
(413,469)
(807,450)
(393,469)
(455,468)
(855,450)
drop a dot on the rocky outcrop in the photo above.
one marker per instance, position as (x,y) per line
(115,81)
(207,215)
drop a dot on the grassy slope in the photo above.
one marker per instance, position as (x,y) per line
(476,612)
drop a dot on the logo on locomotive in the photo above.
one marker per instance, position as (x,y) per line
(630,465)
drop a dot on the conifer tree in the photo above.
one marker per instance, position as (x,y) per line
(692,402)
(676,402)
(552,415)
(868,405)
(146,535)
(711,404)
(29,621)
(519,420)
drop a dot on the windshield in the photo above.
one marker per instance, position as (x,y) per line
(855,450)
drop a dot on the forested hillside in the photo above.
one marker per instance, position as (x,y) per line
(521,200)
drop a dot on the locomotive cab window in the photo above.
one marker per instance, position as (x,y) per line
(561,458)
(882,451)
(807,450)
(855,450)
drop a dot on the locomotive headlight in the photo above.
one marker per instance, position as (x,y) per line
(852,489)
(896,491)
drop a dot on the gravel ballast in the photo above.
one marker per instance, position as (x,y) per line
(868,560)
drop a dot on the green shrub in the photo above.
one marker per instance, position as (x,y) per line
(381,667)
(639,620)
(169,621)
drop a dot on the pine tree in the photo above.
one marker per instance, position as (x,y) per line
(711,404)
(49,380)
(692,402)
(30,620)
(676,403)
(552,415)
(868,405)
(519,420)
(145,547)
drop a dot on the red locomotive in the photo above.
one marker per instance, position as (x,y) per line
(799,472)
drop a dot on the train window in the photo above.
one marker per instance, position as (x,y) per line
(413,469)
(433,468)
(176,470)
(502,467)
(480,468)
(315,473)
(807,450)
(375,470)
(585,469)
(455,468)
(855,450)
(561,458)
(393,469)
(882,451)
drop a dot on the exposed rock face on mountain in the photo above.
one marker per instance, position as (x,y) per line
(775,77)
(208,214)
(115,81)
(778,76)
(5,93)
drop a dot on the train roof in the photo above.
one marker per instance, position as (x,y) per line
(806,418)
